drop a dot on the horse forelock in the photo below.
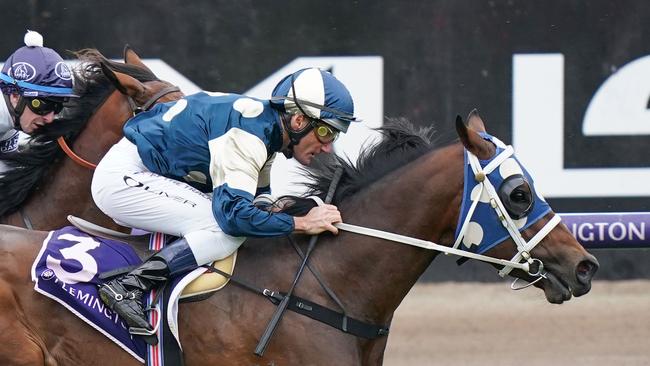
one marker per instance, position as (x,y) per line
(93,57)
(401,144)
(28,167)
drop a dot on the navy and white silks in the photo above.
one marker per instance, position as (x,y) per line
(160,176)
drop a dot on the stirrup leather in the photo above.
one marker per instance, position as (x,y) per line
(144,331)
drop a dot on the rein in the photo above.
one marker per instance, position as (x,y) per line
(72,155)
(134,107)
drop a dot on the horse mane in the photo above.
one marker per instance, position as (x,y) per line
(401,144)
(30,165)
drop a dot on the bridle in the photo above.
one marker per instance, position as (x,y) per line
(135,108)
(532,266)
(151,101)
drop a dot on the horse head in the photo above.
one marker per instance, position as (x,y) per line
(500,202)
(111,92)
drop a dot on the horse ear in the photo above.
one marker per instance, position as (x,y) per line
(472,141)
(126,84)
(132,58)
(475,121)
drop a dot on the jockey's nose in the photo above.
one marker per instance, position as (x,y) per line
(48,118)
(328,148)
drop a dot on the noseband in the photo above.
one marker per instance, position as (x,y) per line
(135,108)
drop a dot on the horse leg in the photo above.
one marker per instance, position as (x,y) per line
(21,344)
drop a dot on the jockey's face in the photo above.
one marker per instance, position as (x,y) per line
(30,121)
(309,145)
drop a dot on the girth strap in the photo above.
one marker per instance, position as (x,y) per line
(313,310)
(335,319)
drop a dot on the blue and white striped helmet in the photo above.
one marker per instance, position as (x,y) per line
(318,94)
(36,71)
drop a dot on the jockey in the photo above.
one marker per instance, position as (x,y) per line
(160,175)
(35,77)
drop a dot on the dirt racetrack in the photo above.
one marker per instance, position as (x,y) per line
(488,324)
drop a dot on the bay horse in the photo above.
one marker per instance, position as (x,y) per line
(405,184)
(45,187)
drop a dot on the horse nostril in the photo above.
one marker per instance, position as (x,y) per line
(586,270)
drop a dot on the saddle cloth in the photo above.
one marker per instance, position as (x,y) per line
(67,269)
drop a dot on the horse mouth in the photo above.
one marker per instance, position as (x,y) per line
(556,289)
(560,286)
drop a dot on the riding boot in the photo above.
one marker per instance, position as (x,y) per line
(124,294)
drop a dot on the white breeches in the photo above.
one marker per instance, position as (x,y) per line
(125,190)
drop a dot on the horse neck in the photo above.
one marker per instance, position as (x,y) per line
(66,187)
(421,200)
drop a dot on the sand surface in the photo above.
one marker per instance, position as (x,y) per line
(489,324)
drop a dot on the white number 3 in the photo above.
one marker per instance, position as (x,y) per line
(77,252)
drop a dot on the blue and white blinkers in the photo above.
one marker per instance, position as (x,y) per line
(499,200)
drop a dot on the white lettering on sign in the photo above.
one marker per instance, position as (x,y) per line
(605,231)
(538,131)
(620,106)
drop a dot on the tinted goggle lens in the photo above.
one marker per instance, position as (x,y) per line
(42,106)
(325,134)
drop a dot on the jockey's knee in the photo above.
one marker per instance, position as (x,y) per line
(208,246)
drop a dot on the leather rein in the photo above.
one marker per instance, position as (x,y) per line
(134,107)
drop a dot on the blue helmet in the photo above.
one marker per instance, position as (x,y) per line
(36,71)
(318,94)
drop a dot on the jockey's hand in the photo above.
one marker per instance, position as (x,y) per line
(317,220)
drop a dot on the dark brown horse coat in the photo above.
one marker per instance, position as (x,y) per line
(399,186)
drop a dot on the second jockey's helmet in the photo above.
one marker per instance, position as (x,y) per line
(36,71)
(318,94)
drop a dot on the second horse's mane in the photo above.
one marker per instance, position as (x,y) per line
(29,167)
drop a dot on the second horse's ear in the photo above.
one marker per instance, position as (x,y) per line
(132,58)
(126,84)
(471,139)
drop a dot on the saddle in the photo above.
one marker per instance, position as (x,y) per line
(200,288)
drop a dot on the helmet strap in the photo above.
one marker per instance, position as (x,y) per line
(294,136)
(17,111)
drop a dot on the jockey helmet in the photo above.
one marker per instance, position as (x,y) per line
(36,71)
(318,95)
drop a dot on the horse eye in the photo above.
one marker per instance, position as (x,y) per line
(518,195)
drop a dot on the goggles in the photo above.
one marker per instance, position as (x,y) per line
(42,106)
(324,133)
